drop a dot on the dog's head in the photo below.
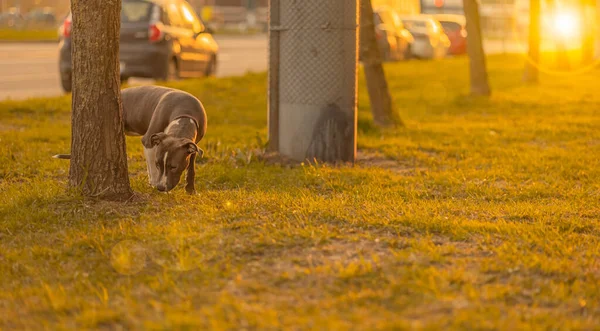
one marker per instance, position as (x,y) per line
(172,158)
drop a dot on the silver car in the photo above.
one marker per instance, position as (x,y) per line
(431,42)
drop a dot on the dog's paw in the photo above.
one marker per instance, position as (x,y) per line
(191,191)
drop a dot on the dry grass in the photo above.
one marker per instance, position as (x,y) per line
(480,214)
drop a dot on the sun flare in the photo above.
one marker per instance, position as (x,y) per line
(566,25)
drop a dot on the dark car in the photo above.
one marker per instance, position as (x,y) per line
(160,39)
(11,19)
(455,28)
(393,39)
(40,18)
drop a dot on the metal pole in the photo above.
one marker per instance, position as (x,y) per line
(313,85)
(274,31)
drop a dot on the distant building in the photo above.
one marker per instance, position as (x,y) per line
(60,7)
(442,7)
(499,18)
(239,13)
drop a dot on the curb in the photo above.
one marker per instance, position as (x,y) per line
(29,41)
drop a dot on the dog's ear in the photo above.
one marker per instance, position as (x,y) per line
(193,149)
(157,138)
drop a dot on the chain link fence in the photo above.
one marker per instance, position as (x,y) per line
(313,78)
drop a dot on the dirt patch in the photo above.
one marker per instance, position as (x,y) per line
(378,160)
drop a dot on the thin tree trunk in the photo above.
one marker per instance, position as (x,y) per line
(589,29)
(596,16)
(478,70)
(562,57)
(379,93)
(531,70)
(98,159)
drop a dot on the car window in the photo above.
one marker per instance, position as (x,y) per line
(135,11)
(190,18)
(174,15)
(450,26)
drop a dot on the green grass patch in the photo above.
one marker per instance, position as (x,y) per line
(480,214)
(28,35)
(237,32)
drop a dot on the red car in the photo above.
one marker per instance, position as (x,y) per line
(455,28)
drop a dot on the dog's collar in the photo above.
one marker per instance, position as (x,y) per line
(190,117)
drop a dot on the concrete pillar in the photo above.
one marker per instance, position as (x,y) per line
(313,79)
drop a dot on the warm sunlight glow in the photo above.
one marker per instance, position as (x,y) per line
(566,25)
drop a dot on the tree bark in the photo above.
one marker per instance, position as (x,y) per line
(531,70)
(379,93)
(478,70)
(98,157)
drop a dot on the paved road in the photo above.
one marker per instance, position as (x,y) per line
(31,69)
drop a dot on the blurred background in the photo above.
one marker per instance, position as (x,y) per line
(406,29)
(502,19)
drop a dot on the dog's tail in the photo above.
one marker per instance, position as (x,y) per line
(62,156)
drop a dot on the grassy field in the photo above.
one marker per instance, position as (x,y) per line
(481,214)
(28,35)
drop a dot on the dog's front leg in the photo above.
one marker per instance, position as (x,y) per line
(191,174)
(153,171)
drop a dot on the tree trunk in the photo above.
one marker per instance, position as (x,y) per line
(98,157)
(588,7)
(478,70)
(596,16)
(562,57)
(379,94)
(531,66)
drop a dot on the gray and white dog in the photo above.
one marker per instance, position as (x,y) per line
(171,123)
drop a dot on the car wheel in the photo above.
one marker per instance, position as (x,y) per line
(66,82)
(211,68)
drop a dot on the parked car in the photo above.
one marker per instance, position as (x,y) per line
(393,39)
(40,18)
(160,39)
(430,40)
(455,28)
(11,19)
